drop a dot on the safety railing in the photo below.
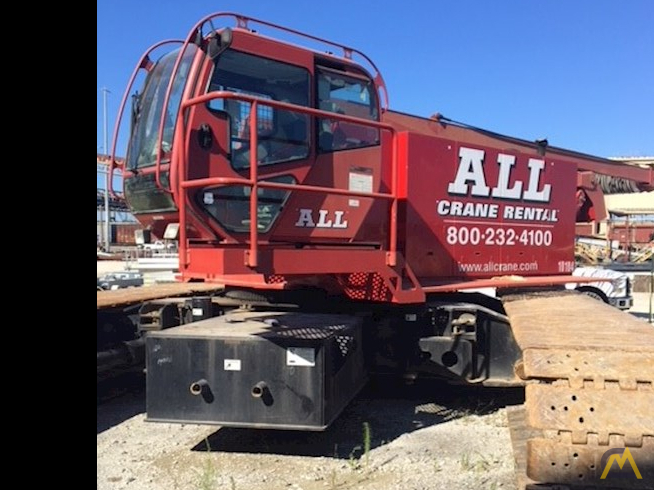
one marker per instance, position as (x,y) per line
(348,52)
(245,22)
(145,63)
(197,33)
(181,162)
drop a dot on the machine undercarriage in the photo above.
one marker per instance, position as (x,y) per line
(251,359)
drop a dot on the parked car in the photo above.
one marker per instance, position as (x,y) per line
(159,246)
(119,280)
(616,292)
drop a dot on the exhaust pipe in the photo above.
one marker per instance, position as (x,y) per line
(198,387)
(259,389)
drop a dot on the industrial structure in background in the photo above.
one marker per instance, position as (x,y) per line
(626,235)
(630,225)
(116,225)
(325,239)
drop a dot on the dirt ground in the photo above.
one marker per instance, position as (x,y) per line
(425,437)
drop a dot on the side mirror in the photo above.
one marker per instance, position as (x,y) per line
(219,42)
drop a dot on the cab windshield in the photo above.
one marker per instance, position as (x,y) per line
(147,108)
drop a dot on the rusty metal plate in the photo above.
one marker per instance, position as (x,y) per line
(587,410)
(520,434)
(127,296)
(550,461)
(609,365)
(576,322)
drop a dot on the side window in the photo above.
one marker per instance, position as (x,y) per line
(282,135)
(239,112)
(353,96)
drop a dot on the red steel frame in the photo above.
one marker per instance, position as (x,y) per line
(252,254)
(254,183)
(414,294)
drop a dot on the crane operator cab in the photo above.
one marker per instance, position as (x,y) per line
(232,98)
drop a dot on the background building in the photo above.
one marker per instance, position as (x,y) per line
(631,216)
(121,224)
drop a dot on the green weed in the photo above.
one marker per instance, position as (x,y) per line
(206,478)
(470,463)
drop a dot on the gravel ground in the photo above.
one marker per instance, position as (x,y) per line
(427,437)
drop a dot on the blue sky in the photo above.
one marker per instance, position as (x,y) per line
(578,72)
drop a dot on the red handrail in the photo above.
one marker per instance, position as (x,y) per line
(242,22)
(146,64)
(164,112)
(252,259)
(180,160)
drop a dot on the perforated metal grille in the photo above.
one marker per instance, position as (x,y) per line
(275,279)
(308,332)
(344,344)
(365,286)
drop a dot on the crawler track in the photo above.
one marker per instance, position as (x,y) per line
(119,346)
(129,296)
(590,375)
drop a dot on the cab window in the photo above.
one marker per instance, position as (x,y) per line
(282,135)
(345,94)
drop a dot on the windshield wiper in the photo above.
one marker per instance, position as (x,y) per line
(136,111)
